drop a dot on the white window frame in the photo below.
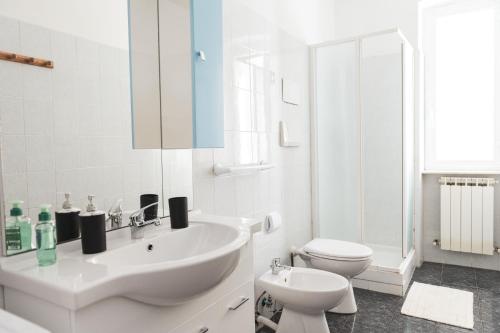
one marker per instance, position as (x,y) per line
(430,12)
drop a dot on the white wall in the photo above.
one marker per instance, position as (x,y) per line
(356,17)
(307,20)
(102,21)
(105,21)
(257,54)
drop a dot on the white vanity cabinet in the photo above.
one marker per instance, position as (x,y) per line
(228,315)
(214,312)
(61,299)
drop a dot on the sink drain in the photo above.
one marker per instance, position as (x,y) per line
(150,247)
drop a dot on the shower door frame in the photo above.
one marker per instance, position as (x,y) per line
(314,136)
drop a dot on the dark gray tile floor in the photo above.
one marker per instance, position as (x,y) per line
(382,313)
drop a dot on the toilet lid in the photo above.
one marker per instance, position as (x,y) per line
(331,248)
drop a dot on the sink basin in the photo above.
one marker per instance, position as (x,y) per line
(166,267)
(175,266)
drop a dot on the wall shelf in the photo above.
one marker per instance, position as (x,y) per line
(220,169)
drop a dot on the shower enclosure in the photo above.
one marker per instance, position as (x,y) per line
(362,137)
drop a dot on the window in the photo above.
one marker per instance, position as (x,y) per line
(461,44)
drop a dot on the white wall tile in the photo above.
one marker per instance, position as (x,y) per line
(63,47)
(13,154)
(38,117)
(225,156)
(10,36)
(224,196)
(65,118)
(204,161)
(35,41)
(11,115)
(243,153)
(64,87)
(41,188)
(87,51)
(16,187)
(37,84)
(67,154)
(244,189)
(242,111)
(204,195)
(253,60)
(68,181)
(11,82)
(39,153)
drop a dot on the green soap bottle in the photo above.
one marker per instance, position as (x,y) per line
(18,229)
(45,237)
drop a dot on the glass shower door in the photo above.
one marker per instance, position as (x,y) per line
(337,139)
(382,146)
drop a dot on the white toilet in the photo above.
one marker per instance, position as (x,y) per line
(305,294)
(345,258)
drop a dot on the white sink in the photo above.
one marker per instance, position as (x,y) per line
(166,267)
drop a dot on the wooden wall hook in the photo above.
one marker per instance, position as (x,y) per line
(9,56)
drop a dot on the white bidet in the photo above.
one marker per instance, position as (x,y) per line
(305,293)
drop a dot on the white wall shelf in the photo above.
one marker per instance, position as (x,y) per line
(220,169)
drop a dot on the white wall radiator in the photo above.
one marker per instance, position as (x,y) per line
(467,214)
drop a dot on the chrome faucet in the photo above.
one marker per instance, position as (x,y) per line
(137,222)
(115,214)
(277,267)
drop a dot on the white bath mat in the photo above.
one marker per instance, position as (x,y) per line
(445,305)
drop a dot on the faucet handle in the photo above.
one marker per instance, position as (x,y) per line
(137,217)
(116,208)
(275,262)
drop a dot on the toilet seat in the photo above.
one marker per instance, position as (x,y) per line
(332,249)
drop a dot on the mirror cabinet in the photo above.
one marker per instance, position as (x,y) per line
(176,73)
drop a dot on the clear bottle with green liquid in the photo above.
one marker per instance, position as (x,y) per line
(18,230)
(45,237)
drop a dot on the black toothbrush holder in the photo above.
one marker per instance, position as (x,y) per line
(178,207)
(150,213)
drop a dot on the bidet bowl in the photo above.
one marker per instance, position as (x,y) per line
(305,290)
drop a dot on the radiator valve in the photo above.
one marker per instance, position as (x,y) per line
(436,242)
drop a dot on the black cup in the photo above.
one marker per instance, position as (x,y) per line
(150,213)
(93,228)
(178,207)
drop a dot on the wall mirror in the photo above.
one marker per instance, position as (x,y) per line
(176,56)
(66,116)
